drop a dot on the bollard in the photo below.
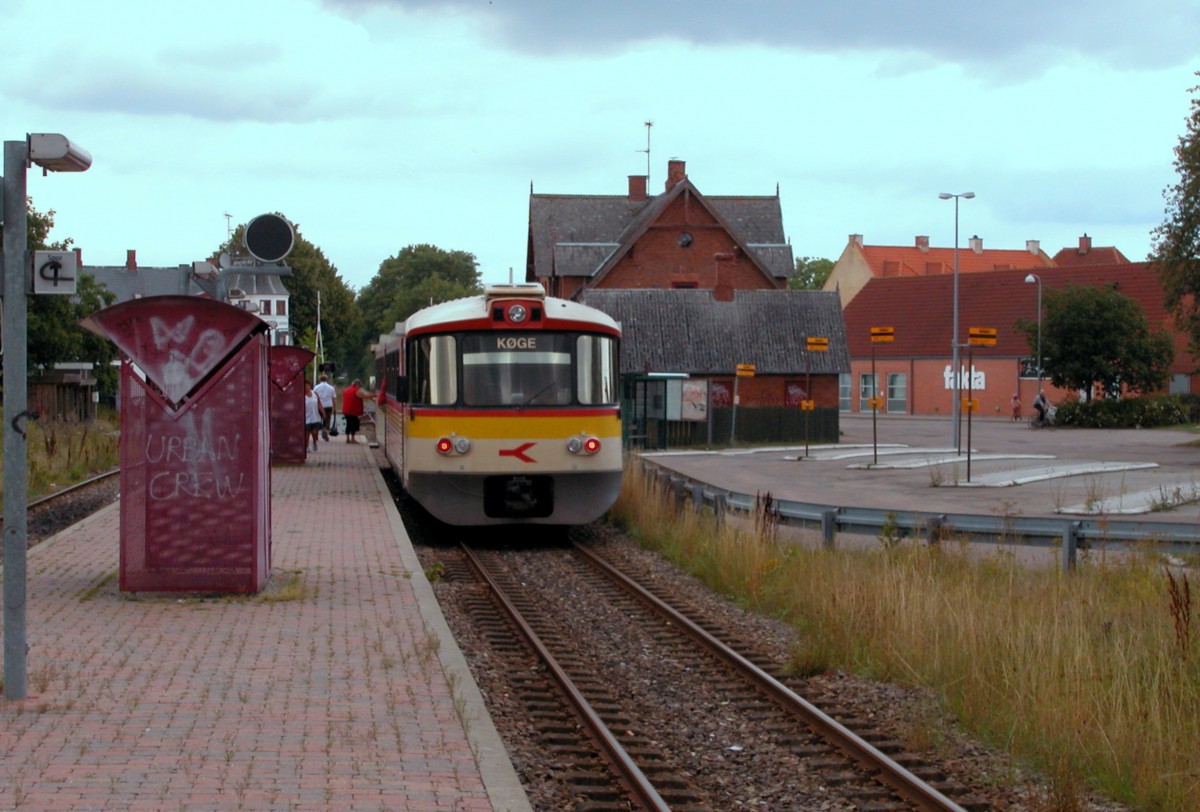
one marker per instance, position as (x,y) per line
(934,526)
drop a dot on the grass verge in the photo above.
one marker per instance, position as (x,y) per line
(1091,677)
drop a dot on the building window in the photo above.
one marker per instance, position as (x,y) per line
(281,307)
(844,392)
(866,389)
(265,307)
(897,392)
(684,285)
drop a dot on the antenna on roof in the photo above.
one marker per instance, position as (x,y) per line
(228,225)
(649,124)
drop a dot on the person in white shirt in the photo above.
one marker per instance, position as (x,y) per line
(325,395)
(312,417)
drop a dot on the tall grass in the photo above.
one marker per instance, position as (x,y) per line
(63,453)
(1092,677)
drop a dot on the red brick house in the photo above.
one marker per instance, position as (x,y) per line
(680,238)
(860,263)
(913,373)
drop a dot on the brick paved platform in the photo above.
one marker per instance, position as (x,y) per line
(344,692)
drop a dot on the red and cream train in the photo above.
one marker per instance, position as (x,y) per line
(503,408)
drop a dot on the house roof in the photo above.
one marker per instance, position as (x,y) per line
(1102,255)
(689,331)
(584,235)
(908,261)
(126,283)
(921,310)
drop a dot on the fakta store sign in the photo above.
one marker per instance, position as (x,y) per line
(974,379)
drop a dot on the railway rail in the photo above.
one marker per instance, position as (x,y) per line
(791,752)
(57,511)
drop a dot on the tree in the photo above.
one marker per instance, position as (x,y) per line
(1093,335)
(811,273)
(416,277)
(342,332)
(53,334)
(1175,249)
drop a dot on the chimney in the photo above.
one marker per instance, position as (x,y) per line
(923,244)
(856,239)
(675,173)
(1034,247)
(976,244)
(1085,244)
(131,260)
(78,257)
(637,187)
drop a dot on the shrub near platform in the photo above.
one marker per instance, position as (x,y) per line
(1092,677)
(1130,413)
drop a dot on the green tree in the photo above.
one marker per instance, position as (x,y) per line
(1096,335)
(416,277)
(1175,248)
(342,332)
(811,273)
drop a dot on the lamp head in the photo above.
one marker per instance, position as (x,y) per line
(1032,278)
(945,196)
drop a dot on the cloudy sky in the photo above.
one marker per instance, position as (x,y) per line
(376,124)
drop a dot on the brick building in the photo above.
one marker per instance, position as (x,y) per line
(680,238)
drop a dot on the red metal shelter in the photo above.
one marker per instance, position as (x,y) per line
(286,372)
(195,467)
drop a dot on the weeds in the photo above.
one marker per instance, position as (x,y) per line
(1181,612)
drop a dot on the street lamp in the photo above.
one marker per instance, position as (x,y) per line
(954,338)
(55,153)
(1035,278)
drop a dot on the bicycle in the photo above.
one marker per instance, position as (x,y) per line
(1048,423)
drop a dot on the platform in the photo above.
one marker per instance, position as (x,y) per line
(338,688)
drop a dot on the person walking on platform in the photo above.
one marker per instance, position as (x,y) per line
(313,416)
(326,394)
(352,408)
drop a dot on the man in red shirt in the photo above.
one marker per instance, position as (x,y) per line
(352,408)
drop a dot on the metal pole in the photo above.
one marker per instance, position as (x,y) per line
(954,342)
(16,398)
(1039,373)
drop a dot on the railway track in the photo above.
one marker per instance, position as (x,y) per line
(716,726)
(50,514)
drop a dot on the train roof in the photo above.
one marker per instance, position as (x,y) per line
(476,309)
(473,312)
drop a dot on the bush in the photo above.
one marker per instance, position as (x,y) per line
(1130,413)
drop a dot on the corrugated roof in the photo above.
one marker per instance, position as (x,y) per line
(688,331)
(922,309)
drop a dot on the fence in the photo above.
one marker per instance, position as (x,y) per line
(1069,534)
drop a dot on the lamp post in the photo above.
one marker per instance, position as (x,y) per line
(52,152)
(956,406)
(1035,278)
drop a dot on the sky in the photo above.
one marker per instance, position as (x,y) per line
(378,124)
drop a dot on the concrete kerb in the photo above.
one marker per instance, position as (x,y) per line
(499,777)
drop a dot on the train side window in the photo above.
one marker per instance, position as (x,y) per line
(596,364)
(433,373)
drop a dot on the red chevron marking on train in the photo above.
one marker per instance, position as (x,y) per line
(519,452)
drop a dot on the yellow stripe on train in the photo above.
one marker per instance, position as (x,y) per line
(514,426)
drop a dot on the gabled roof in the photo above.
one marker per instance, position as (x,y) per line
(921,310)
(585,235)
(129,284)
(689,331)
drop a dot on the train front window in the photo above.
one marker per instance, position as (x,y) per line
(516,369)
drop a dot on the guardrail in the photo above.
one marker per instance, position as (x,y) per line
(1033,531)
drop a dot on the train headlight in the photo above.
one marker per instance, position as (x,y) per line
(444,446)
(517,313)
(584,444)
(462,445)
(453,445)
